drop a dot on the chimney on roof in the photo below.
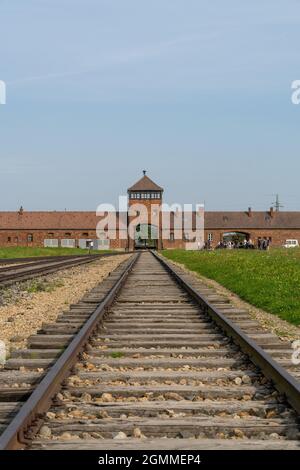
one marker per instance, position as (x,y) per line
(272,211)
(144,172)
(21,210)
(249,211)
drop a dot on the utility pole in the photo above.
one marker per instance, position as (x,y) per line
(277,203)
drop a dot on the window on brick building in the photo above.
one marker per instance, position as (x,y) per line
(85,234)
(210,237)
(30,237)
(67,234)
(9,239)
(50,234)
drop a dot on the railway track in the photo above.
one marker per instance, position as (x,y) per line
(11,267)
(33,268)
(144,363)
(33,259)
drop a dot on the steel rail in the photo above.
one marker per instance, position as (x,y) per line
(62,257)
(30,414)
(43,262)
(33,259)
(34,270)
(283,381)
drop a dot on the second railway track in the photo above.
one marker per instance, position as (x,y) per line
(144,365)
(34,268)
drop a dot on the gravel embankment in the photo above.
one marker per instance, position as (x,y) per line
(25,306)
(270,322)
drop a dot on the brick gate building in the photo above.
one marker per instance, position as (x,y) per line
(78,228)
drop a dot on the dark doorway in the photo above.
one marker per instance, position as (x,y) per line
(146,237)
(235,237)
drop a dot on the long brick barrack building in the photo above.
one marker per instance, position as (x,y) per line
(78,228)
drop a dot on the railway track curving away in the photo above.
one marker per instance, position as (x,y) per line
(32,268)
(143,362)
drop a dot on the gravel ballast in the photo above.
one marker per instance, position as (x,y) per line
(24,307)
(268,321)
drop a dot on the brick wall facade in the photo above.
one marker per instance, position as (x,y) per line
(276,236)
(15,237)
(24,228)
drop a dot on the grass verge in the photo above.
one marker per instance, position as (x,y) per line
(268,280)
(28,252)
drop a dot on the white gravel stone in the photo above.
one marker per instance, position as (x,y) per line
(120,435)
(238,381)
(246,379)
(45,432)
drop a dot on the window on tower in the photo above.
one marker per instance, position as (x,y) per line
(144,195)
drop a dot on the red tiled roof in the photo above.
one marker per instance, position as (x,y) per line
(66,220)
(260,220)
(242,220)
(145,184)
(80,220)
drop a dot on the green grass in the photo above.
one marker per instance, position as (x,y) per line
(41,285)
(268,280)
(116,354)
(28,252)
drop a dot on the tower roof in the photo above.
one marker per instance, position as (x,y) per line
(145,184)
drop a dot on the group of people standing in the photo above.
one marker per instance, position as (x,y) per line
(262,244)
(231,244)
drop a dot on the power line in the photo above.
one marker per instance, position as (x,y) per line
(277,204)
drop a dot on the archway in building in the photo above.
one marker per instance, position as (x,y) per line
(146,237)
(235,237)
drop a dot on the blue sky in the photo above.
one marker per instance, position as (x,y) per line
(196,92)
